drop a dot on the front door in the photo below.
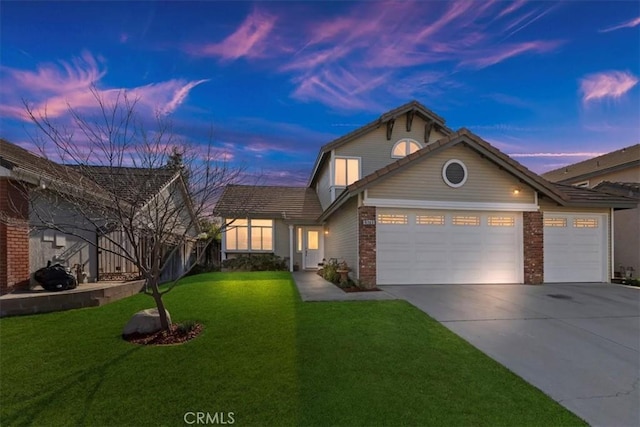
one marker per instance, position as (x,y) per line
(313,247)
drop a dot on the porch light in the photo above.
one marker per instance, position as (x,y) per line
(516,191)
(326,231)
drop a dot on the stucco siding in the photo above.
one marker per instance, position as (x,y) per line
(342,240)
(627,240)
(374,149)
(486,183)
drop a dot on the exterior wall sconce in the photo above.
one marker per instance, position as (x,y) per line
(326,231)
(516,191)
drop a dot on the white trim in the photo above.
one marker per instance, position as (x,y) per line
(582,184)
(444,173)
(612,263)
(291,248)
(463,206)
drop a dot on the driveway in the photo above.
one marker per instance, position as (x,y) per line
(579,343)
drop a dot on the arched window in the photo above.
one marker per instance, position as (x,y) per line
(404,147)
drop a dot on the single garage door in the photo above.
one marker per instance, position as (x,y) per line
(575,247)
(432,247)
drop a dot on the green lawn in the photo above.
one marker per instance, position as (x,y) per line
(265,356)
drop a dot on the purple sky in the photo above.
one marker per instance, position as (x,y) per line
(549,83)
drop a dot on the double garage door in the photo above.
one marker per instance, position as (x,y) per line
(433,247)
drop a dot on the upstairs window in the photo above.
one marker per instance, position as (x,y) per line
(347,171)
(404,147)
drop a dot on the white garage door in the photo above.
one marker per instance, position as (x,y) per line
(433,247)
(575,247)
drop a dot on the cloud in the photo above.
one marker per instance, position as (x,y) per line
(54,88)
(248,40)
(627,24)
(608,84)
(349,59)
(501,53)
(577,154)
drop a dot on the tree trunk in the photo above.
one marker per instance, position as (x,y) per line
(157,296)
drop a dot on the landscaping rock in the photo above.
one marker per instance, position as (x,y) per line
(144,322)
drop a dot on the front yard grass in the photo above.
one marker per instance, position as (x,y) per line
(265,356)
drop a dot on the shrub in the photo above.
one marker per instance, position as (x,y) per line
(256,262)
(329,271)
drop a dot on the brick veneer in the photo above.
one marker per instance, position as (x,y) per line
(14,236)
(533,238)
(367,245)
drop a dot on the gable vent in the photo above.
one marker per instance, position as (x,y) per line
(454,173)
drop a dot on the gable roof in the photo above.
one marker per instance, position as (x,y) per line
(411,107)
(125,181)
(37,170)
(561,194)
(294,204)
(616,160)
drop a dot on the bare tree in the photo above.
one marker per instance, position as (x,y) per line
(143,189)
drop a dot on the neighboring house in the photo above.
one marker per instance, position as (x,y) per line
(28,202)
(617,173)
(406,200)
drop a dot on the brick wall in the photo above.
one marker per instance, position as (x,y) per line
(533,248)
(367,245)
(14,236)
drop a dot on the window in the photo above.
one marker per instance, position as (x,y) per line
(392,219)
(501,221)
(430,219)
(555,222)
(583,184)
(454,173)
(313,240)
(347,171)
(465,220)
(250,235)
(585,222)
(404,147)
(299,239)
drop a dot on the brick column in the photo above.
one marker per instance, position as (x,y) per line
(14,236)
(367,245)
(533,248)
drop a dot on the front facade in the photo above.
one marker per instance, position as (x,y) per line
(616,173)
(406,200)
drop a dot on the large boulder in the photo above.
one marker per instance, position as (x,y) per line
(145,322)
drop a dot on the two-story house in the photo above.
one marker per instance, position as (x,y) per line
(406,200)
(618,173)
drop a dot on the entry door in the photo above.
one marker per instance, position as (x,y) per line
(313,247)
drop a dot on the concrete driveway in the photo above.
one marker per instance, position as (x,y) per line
(579,343)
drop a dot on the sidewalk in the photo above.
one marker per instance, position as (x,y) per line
(314,288)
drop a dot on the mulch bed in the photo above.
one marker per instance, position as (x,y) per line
(175,335)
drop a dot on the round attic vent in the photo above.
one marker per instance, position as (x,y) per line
(454,173)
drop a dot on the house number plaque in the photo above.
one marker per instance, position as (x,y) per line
(368,222)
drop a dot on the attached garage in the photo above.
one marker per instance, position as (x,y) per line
(419,246)
(575,247)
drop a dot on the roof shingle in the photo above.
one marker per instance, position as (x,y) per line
(288,203)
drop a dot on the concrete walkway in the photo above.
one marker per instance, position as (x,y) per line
(314,288)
